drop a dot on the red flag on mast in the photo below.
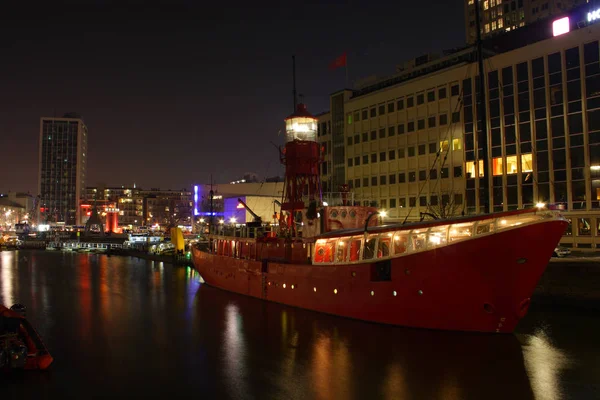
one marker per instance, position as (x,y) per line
(338,62)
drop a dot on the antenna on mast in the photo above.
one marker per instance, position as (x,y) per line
(482,139)
(294,81)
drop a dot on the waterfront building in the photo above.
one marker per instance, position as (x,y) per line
(11,213)
(138,207)
(259,195)
(500,16)
(167,207)
(62,168)
(126,200)
(410,139)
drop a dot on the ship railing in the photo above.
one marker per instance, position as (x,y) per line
(344,198)
(244,231)
(396,243)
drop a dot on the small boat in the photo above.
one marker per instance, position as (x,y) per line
(21,347)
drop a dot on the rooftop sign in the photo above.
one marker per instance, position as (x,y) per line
(561,26)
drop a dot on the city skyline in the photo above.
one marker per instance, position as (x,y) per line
(160,88)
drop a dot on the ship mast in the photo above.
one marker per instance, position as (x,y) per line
(482,140)
(294,80)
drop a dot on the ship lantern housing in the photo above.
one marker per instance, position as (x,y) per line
(301,125)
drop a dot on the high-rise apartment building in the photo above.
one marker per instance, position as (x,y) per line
(499,16)
(412,139)
(62,168)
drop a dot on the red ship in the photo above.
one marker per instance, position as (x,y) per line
(468,273)
(21,347)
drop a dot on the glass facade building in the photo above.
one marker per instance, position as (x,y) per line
(411,140)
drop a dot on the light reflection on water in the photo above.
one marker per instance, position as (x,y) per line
(7,258)
(234,352)
(121,325)
(544,364)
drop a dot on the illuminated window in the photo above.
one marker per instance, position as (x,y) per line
(500,24)
(526,163)
(492,3)
(511,164)
(500,14)
(487,28)
(470,169)
(444,145)
(497,166)
(486,4)
(493,13)
(494,25)
(471,2)
(456,144)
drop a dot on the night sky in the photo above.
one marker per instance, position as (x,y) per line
(174,93)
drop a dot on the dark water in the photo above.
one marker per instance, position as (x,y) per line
(120,327)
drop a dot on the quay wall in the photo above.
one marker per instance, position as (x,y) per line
(570,282)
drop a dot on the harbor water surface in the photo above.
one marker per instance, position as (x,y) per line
(120,326)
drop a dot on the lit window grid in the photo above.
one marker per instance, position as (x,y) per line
(62,170)
(374,171)
(517,133)
(590,205)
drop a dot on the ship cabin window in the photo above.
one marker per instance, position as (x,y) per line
(418,240)
(400,242)
(324,250)
(355,245)
(437,236)
(484,227)
(369,251)
(460,231)
(341,254)
(383,247)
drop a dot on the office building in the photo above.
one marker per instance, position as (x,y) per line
(411,139)
(62,168)
(500,16)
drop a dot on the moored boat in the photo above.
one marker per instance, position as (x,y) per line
(21,347)
(465,273)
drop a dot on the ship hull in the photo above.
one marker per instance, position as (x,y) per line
(481,285)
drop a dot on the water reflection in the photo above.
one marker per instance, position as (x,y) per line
(545,364)
(7,258)
(124,325)
(339,358)
(234,352)
(395,386)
